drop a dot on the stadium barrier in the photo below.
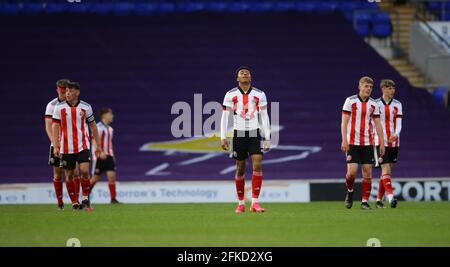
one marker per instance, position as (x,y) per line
(417,189)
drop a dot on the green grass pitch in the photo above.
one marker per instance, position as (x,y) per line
(192,225)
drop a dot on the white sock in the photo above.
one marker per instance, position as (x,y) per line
(241,202)
(254,200)
(390,197)
(85,197)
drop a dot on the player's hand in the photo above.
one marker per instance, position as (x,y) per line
(266,145)
(382,149)
(102,155)
(56,151)
(393,138)
(225,144)
(98,152)
(344,146)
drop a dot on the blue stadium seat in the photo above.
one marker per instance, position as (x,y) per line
(144,8)
(327,7)
(238,7)
(446,16)
(216,6)
(33,8)
(101,8)
(362,23)
(124,8)
(9,9)
(79,8)
(260,7)
(56,7)
(439,94)
(283,6)
(189,7)
(307,7)
(165,7)
(381,25)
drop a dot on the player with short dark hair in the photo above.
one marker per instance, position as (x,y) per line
(106,162)
(53,160)
(249,107)
(357,139)
(72,118)
(391,112)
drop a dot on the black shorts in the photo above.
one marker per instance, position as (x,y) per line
(69,161)
(360,154)
(390,155)
(52,159)
(104,165)
(246,143)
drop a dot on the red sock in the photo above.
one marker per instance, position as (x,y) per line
(76,184)
(58,191)
(380,194)
(386,178)
(349,183)
(71,191)
(256,184)
(85,186)
(366,187)
(112,189)
(240,187)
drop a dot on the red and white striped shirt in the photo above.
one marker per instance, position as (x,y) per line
(360,126)
(74,131)
(106,135)
(50,108)
(391,120)
(247,108)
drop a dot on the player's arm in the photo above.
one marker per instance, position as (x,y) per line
(56,125)
(95,136)
(55,136)
(224,122)
(223,128)
(265,122)
(49,128)
(344,122)
(48,121)
(398,126)
(379,130)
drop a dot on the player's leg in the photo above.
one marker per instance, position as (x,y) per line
(240,185)
(353,159)
(83,159)
(366,185)
(387,183)
(350,177)
(381,189)
(68,163)
(58,185)
(97,171)
(256,182)
(112,186)
(76,181)
(240,154)
(54,162)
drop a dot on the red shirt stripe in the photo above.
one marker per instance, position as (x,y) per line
(64,131)
(73,111)
(362,122)
(387,122)
(83,119)
(352,132)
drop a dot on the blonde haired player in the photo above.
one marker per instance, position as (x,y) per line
(357,139)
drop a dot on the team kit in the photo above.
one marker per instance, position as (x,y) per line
(81,150)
